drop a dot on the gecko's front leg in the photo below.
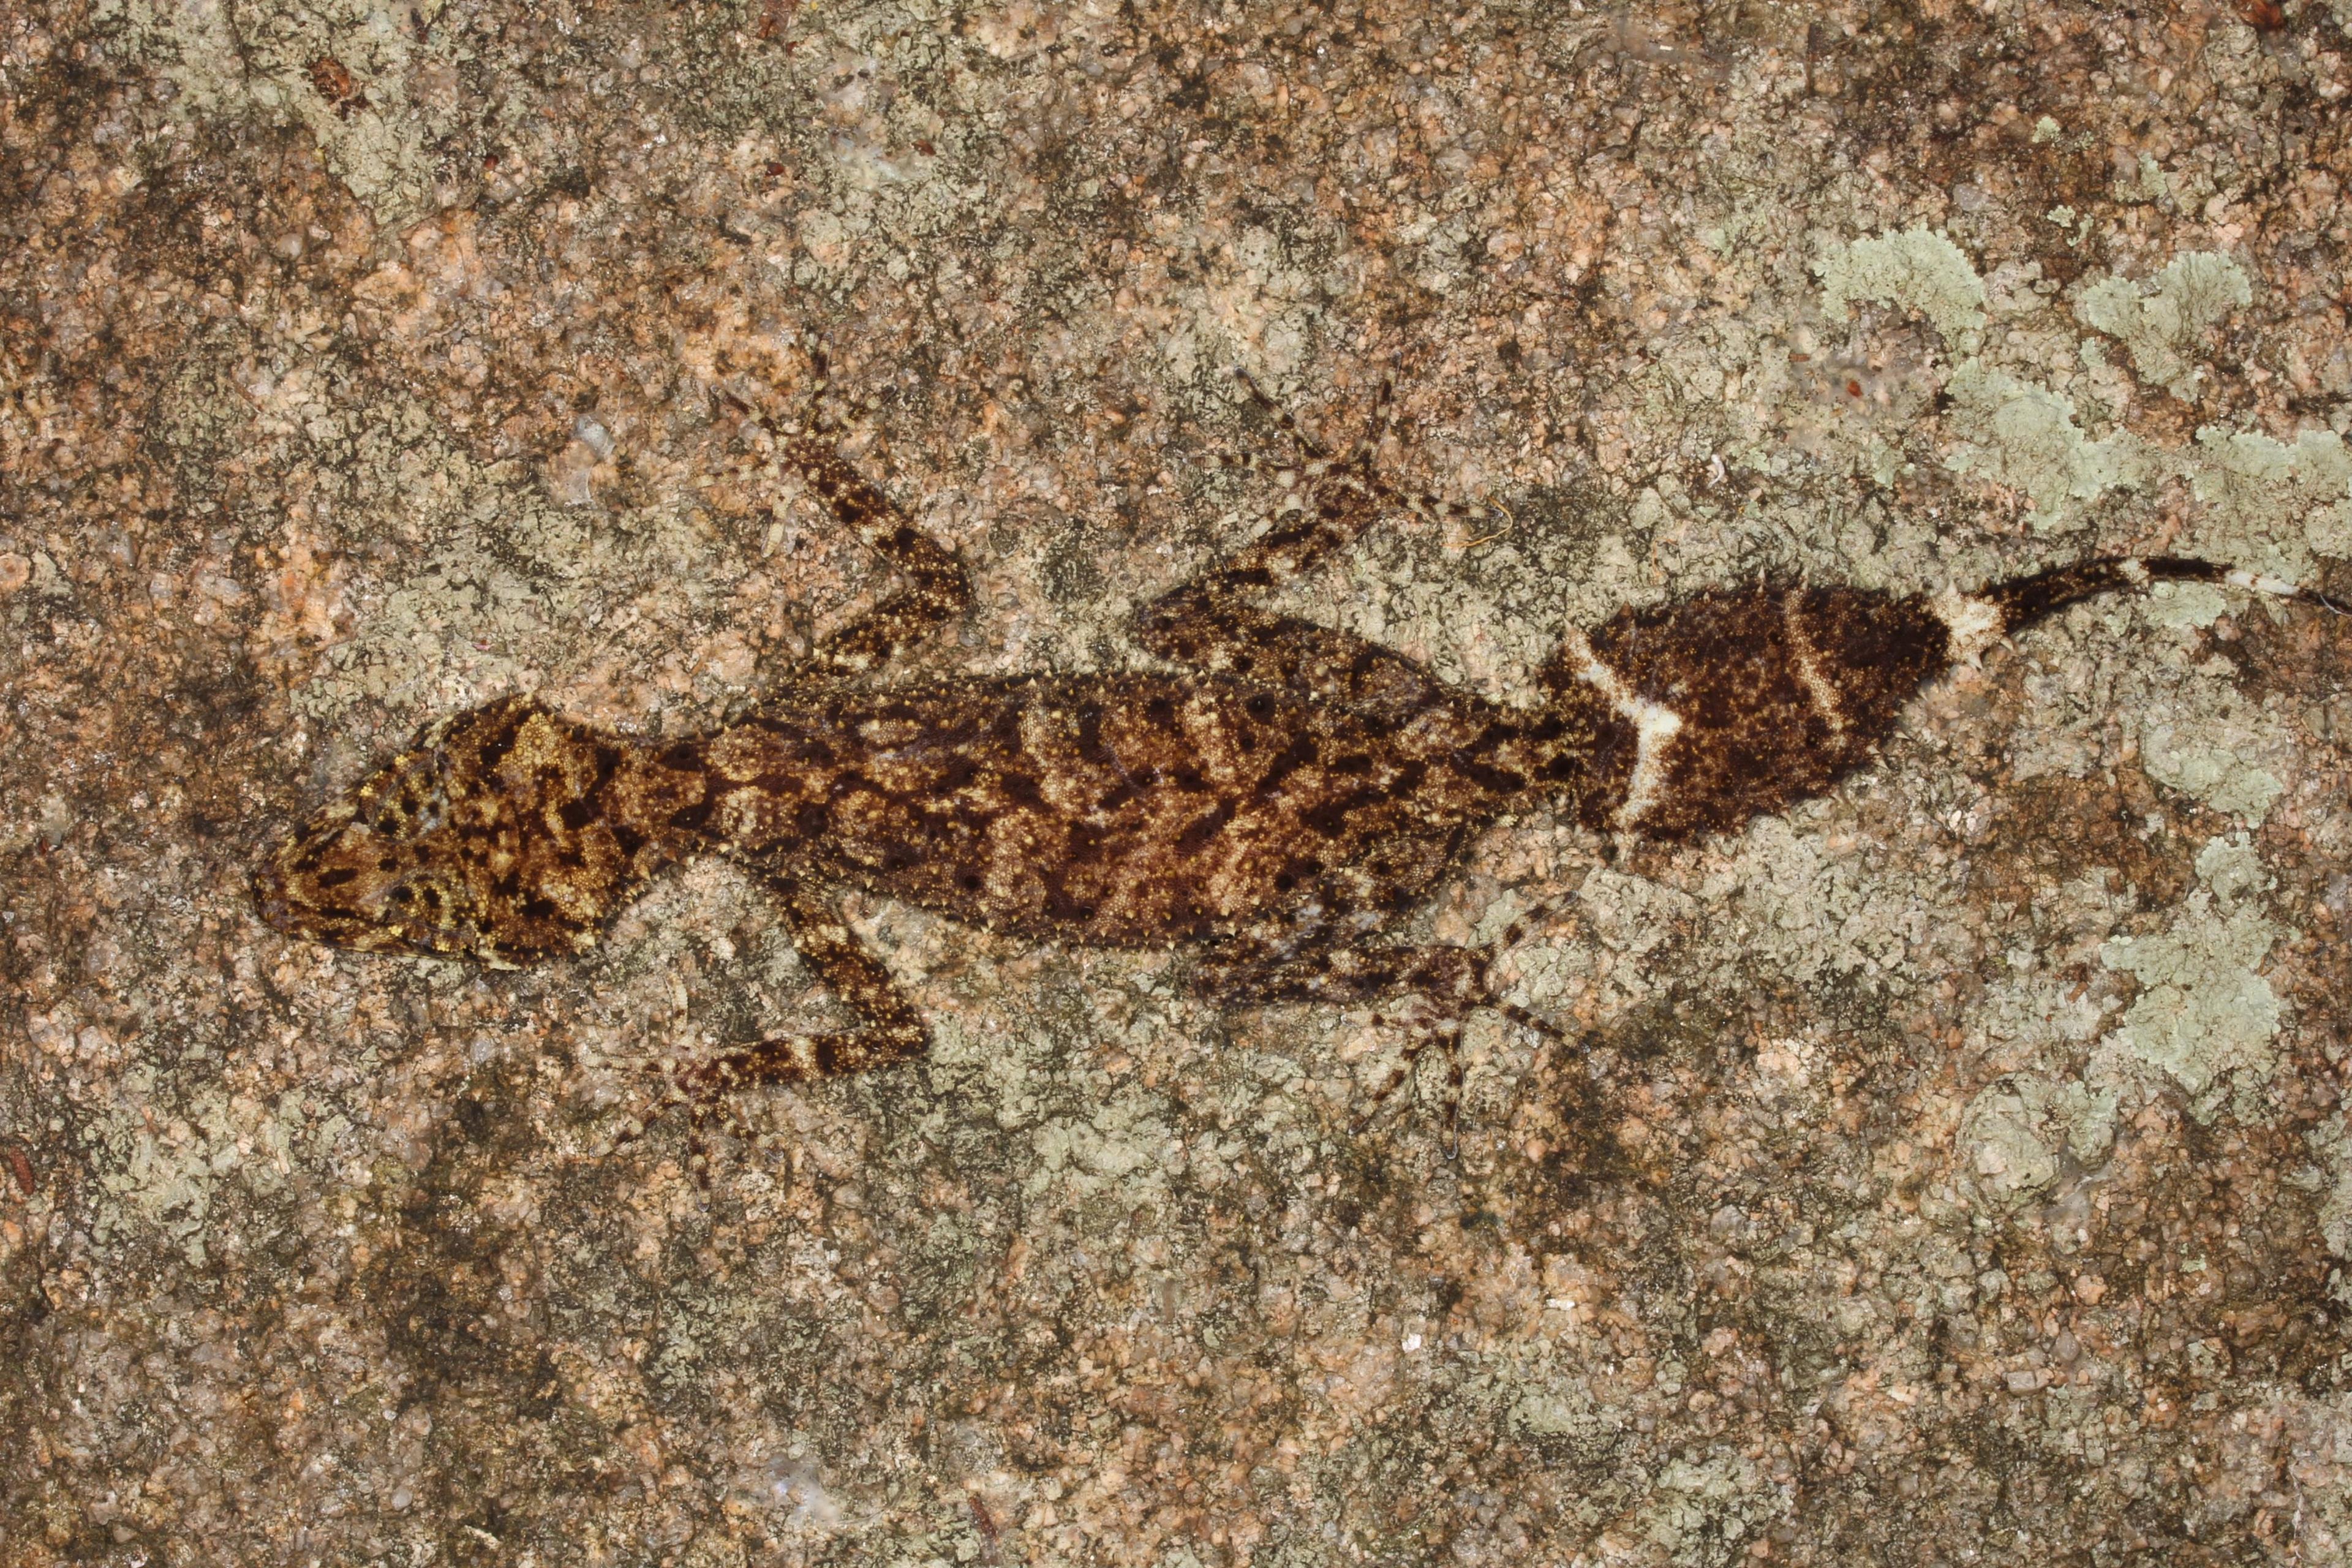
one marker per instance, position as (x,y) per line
(890,1029)
(936,590)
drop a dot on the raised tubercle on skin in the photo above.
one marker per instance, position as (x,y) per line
(1747,700)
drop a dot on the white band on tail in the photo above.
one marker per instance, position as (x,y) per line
(1809,670)
(2262,584)
(1975,625)
(1655,726)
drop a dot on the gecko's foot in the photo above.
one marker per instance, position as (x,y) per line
(1453,981)
(1356,460)
(673,1093)
(1404,1070)
(814,421)
(1448,1039)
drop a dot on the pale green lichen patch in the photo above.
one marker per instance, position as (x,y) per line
(2163,321)
(2269,505)
(500,585)
(2131,672)
(1610,967)
(1916,270)
(195,47)
(2206,738)
(889,172)
(2273,504)
(2184,605)
(2205,1014)
(2019,1132)
(1702,1508)
(1124,1145)
(165,1173)
(2023,434)
(1564,1411)
(2037,1011)
(2231,868)
(344,71)
(1782,899)
(1789,898)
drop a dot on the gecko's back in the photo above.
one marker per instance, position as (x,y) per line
(1115,811)
(1119,811)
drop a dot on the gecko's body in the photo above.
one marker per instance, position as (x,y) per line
(1282,804)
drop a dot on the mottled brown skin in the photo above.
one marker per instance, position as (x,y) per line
(1282,799)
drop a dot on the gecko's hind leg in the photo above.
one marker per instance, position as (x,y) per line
(1358,462)
(936,591)
(1450,982)
(1210,623)
(890,1029)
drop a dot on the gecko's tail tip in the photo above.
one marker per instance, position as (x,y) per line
(2279,587)
(1979,620)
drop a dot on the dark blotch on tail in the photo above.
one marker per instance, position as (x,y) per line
(1781,691)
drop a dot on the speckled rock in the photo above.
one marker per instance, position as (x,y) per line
(1953,1171)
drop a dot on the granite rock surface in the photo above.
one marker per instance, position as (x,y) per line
(1955,1169)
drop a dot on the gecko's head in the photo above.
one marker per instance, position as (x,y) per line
(490,840)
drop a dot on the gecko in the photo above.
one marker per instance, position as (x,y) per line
(1279,795)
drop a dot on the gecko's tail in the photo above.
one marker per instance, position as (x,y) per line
(1713,710)
(2025,600)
